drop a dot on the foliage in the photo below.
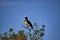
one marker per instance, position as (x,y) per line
(33,34)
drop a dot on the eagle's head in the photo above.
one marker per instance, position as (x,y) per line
(25,20)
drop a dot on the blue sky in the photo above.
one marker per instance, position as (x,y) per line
(12,13)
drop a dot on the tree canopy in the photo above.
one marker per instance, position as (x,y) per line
(37,34)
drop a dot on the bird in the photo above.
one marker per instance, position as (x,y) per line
(28,23)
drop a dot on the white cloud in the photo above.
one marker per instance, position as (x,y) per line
(4,3)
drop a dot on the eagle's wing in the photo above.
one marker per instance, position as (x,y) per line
(30,24)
